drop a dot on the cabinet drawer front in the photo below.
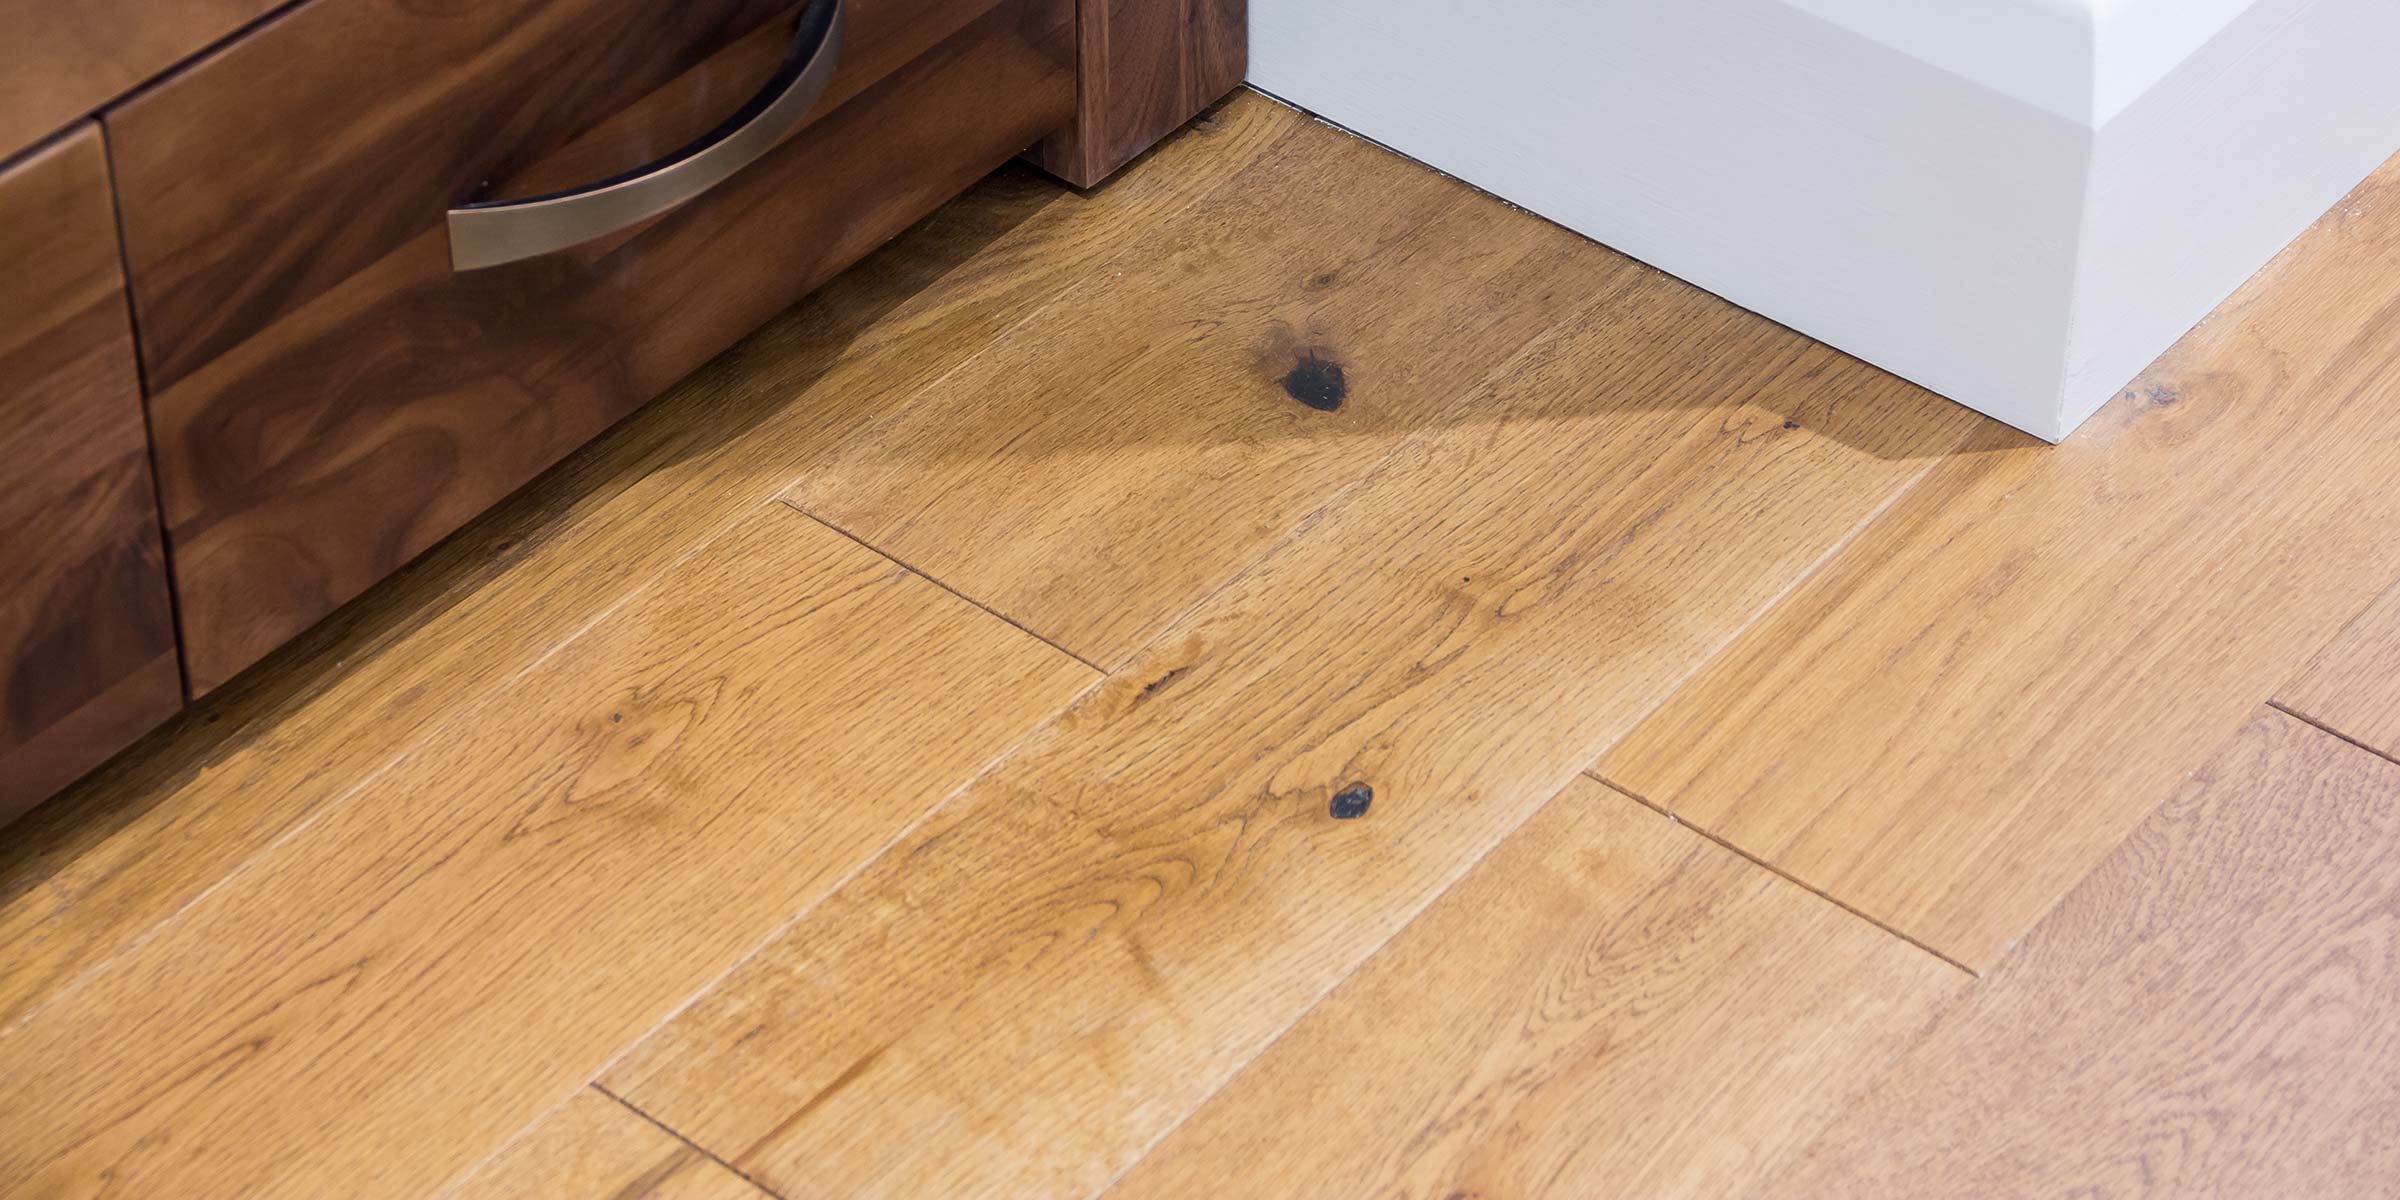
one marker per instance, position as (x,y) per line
(62,61)
(86,638)
(330,448)
(301,154)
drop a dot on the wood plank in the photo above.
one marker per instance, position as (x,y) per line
(1145,67)
(1072,956)
(377,1003)
(1965,710)
(87,639)
(90,872)
(2209,1014)
(1113,460)
(594,1148)
(1608,1006)
(2353,687)
(62,62)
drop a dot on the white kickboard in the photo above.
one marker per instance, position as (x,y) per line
(2016,203)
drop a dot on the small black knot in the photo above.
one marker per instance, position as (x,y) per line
(1317,384)
(1791,424)
(1350,803)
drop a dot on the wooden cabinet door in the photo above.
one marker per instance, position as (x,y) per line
(86,636)
(315,434)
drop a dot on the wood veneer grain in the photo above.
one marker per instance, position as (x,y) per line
(86,636)
(1146,66)
(62,61)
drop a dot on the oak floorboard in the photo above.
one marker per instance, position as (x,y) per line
(1107,464)
(373,1005)
(1040,982)
(2353,687)
(90,871)
(1961,715)
(594,1148)
(2210,1013)
(1609,1005)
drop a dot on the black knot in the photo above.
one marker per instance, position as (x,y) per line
(1318,384)
(1350,803)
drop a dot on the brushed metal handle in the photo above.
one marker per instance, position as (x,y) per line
(505,231)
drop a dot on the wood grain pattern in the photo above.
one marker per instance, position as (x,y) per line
(1145,67)
(1608,1006)
(1128,449)
(378,1002)
(2353,687)
(316,458)
(1070,957)
(593,1148)
(87,643)
(90,872)
(304,154)
(2209,1014)
(61,62)
(296,157)
(1965,710)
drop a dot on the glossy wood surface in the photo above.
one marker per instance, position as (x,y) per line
(333,447)
(300,156)
(380,1002)
(1609,1005)
(1146,66)
(1969,706)
(2209,1014)
(593,1148)
(61,61)
(87,642)
(2354,685)
(296,157)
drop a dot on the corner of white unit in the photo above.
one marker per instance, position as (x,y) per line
(2016,203)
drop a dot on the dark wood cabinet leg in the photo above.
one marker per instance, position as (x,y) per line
(1145,67)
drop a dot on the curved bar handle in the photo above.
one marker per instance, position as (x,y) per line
(505,231)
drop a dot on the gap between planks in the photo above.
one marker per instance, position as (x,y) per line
(936,581)
(2330,731)
(1595,776)
(695,1147)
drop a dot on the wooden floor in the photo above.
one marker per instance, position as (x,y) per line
(1283,676)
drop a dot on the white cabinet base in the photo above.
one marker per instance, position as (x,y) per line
(2016,203)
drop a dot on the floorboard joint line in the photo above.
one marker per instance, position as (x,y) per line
(1440,894)
(2331,732)
(987,609)
(1780,873)
(696,1147)
(772,936)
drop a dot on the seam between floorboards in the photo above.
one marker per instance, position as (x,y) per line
(695,1147)
(2331,732)
(1754,860)
(912,569)
(1356,969)
(768,940)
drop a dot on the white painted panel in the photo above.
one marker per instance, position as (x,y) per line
(1970,193)
(2214,170)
